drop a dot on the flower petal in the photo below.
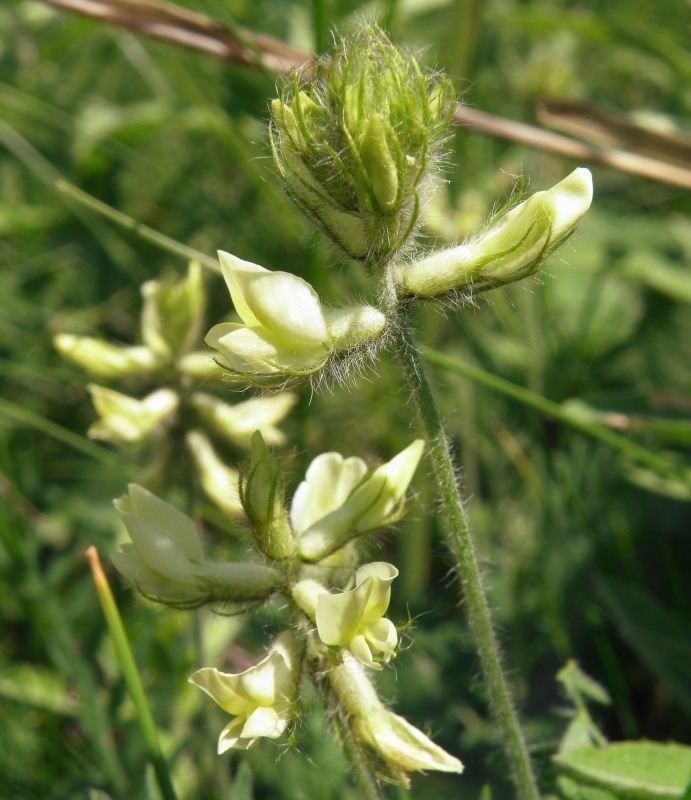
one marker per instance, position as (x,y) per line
(264,721)
(360,648)
(129,563)
(329,480)
(382,638)
(374,581)
(231,737)
(222,688)
(142,503)
(257,350)
(268,683)
(280,302)
(404,745)
(339,616)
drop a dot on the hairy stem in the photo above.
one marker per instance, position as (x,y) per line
(460,541)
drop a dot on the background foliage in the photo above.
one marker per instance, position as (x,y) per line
(586,551)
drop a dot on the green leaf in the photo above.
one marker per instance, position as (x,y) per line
(659,636)
(39,687)
(576,683)
(572,790)
(631,770)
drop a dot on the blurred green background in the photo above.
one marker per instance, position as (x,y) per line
(586,550)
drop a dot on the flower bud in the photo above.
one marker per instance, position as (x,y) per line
(238,422)
(260,698)
(379,164)
(262,494)
(513,247)
(285,331)
(172,313)
(219,482)
(107,361)
(344,146)
(400,745)
(125,419)
(166,560)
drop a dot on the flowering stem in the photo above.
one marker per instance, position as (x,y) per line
(460,541)
(131,675)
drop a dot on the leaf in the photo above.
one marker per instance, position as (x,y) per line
(572,790)
(576,683)
(659,636)
(631,770)
(39,687)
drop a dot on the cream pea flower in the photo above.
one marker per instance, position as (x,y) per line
(355,619)
(106,361)
(512,247)
(238,422)
(284,329)
(125,419)
(219,481)
(166,560)
(338,500)
(260,698)
(400,745)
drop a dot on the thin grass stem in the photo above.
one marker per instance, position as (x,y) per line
(131,675)
(143,231)
(533,400)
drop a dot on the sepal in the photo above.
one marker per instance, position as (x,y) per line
(262,493)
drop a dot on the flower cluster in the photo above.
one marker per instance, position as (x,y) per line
(171,324)
(302,550)
(286,333)
(356,150)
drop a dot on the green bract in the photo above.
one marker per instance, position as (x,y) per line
(357,149)
(262,493)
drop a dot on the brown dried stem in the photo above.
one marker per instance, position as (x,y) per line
(183,28)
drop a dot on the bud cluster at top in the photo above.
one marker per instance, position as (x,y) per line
(357,148)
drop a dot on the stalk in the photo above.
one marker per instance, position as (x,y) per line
(131,675)
(461,543)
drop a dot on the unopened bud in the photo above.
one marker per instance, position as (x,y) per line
(262,494)
(106,361)
(345,145)
(172,313)
(379,164)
